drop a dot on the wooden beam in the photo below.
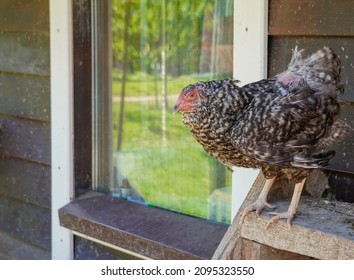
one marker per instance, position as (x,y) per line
(230,245)
(324,230)
(252,250)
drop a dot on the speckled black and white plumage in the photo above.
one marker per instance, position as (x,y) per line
(281,125)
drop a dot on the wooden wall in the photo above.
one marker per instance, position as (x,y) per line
(312,24)
(25,224)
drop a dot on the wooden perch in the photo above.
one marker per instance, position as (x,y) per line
(323,230)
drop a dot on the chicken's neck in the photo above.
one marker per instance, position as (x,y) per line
(211,125)
(219,113)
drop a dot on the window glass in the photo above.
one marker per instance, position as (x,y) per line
(159,47)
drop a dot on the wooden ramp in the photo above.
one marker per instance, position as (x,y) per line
(324,230)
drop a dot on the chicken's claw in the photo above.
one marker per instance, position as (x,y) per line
(292,210)
(288,215)
(257,206)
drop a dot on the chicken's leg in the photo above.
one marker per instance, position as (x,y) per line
(261,201)
(292,210)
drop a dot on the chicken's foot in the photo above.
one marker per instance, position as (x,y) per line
(292,210)
(261,201)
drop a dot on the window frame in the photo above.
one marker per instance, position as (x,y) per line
(61,123)
(72,159)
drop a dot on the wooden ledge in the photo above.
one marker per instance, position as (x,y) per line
(324,230)
(151,232)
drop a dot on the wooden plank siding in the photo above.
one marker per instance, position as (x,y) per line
(14,248)
(25,155)
(311,18)
(25,139)
(17,173)
(88,250)
(24,52)
(25,221)
(29,15)
(27,96)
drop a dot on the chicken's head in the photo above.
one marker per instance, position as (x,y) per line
(187,99)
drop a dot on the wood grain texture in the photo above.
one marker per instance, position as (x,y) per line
(148,231)
(85,249)
(320,222)
(29,15)
(252,250)
(25,221)
(341,186)
(82,96)
(25,181)
(25,139)
(231,244)
(25,96)
(15,249)
(322,231)
(311,17)
(24,52)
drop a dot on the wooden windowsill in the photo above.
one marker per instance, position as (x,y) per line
(147,231)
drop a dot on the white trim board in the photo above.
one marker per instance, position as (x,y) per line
(61,122)
(250,65)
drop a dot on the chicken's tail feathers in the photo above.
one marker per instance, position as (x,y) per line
(297,56)
(321,69)
(313,161)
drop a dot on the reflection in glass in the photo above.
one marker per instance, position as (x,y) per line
(159,47)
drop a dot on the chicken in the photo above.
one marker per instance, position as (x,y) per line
(282,125)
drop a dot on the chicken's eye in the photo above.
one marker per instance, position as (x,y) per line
(193,93)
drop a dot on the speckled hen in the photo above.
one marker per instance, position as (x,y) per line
(282,125)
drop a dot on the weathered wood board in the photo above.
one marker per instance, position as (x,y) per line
(17,249)
(25,183)
(29,15)
(24,52)
(15,174)
(26,96)
(25,139)
(323,230)
(25,221)
(311,17)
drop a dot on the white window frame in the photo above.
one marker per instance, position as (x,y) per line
(250,64)
(61,66)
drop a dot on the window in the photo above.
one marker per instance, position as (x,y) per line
(159,47)
(85,164)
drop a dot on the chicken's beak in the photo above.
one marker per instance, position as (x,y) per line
(178,106)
